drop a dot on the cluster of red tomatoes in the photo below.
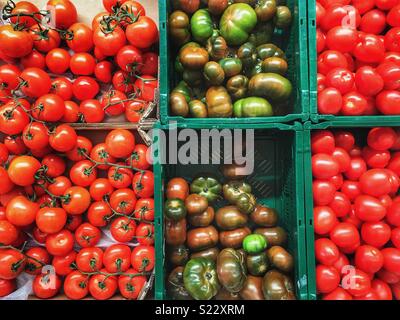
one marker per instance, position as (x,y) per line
(358,42)
(64,65)
(61,202)
(357,214)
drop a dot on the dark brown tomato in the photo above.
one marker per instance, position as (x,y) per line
(202,238)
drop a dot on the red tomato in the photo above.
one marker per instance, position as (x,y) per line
(46,286)
(35,255)
(109,42)
(392,38)
(63,138)
(49,108)
(62,87)
(123,229)
(100,155)
(102,287)
(7,287)
(342,263)
(342,39)
(144,209)
(150,64)
(76,200)
(388,277)
(326,252)
(337,15)
(395,238)
(34,60)
(87,235)
(145,233)
(120,143)
(324,220)
(73,222)
(324,166)
(376,159)
(322,141)
(122,81)
(21,212)
(83,146)
(63,13)
(143,184)
(356,282)
(342,158)
(381,289)
(328,278)
(15,43)
(24,8)
(145,86)
(81,39)
(85,88)
(143,258)
(100,188)
(76,285)
(345,140)
(393,16)
(382,138)
(390,73)
(109,4)
(58,60)
(60,243)
(63,264)
(396,290)
(113,102)
(357,168)
(103,71)
(129,59)
(8,233)
(71,114)
(131,286)
(338,294)
(376,182)
(143,33)
(117,258)
(391,258)
(89,259)
(35,136)
(376,234)
(38,82)
(386,4)
(82,64)
(373,21)
(99,214)
(354,104)
(83,173)
(341,204)
(138,158)
(13,117)
(369,49)
(345,235)
(12,263)
(368,259)
(45,40)
(51,220)
(92,111)
(368,81)
(120,177)
(123,201)
(323,192)
(387,102)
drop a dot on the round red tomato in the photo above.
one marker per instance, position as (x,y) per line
(143,33)
(392,38)
(356,282)
(326,252)
(345,235)
(145,233)
(71,114)
(82,64)
(63,88)
(376,234)
(139,157)
(337,294)
(7,287)
(390,73)
(109,42)
(123,229)
(58,60)
(73,222)
(35,136)
(369,49)
(21,212)
(83,173)
(323,192)
(103,71)
(131,284)
(76,285)
(12,263)
(34,60)
(177,188)
(46,286)
(99,214)
(63,138)
(143,258)
(328,278)
(45,40)
(341,204)
(144,209)
(87,235)
(92,111)
(114,102)
(102,287)
(368,81)
(373,22)
(129,59)
(369,209)
(368,259)
(100,188)
(123,201)
(324,166)
(63,264)
(120,143)
(150,64)
(381,289)
(120,177)
(13,117)
(51,220)
(376,182)
(15,43)
(8,233)
(391,259)
(63,13)
(123,82)
(331,59)
(60,243)
(34,256)
(143,184)
(76,200)
(80,38)
(324,220)
(89,259)
(322,141)
(49,108)
(145,87)
(83,147)
(85,88)
(117,258)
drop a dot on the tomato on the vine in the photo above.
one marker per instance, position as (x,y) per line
(87,235)
(76,285)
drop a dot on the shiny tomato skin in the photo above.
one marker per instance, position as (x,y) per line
(21,212)
(326,252)
(71,114)
(368,259)
(62,264)
(34,60)
(143,184)
(60,243)
(89,259)
(46,286)
(373,22)
(83,173)
(109,43)
(381,138)
(100,154)
(102,287)
(143,258)
(45,41)
(78,200)
(7,287)
(49,108)
(390,73)
(144,209)
(342,39)
(328,278)
(82,38)
(146,86)
(391,259)
(368,81)
(123,230)
(145,233)
(15,43)
(376,234)
(354,104)
(392,39)
(323,192)
(376,159)
(36,253)
(76,285)
(341,204)
(338,294)
(64,13)
(357,168)
(376,182)
(99,214)
(63,138)
(345,235)
(82,64)
(83,146)
(143,33)
(103,71)
(324,220)
(87,235)
(130,287)
(324,166)
(85,88)
(356,282)
(62,87)
(382,289)
(393,17)
(92,111)
(369,49)
(8,233)
(58,60)
(322,141)
(120,143)
(51,220)
(117,258)
(100,188)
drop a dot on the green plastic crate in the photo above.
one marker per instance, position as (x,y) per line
(313,70)
(277,181)
(296,50)
(360,131)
